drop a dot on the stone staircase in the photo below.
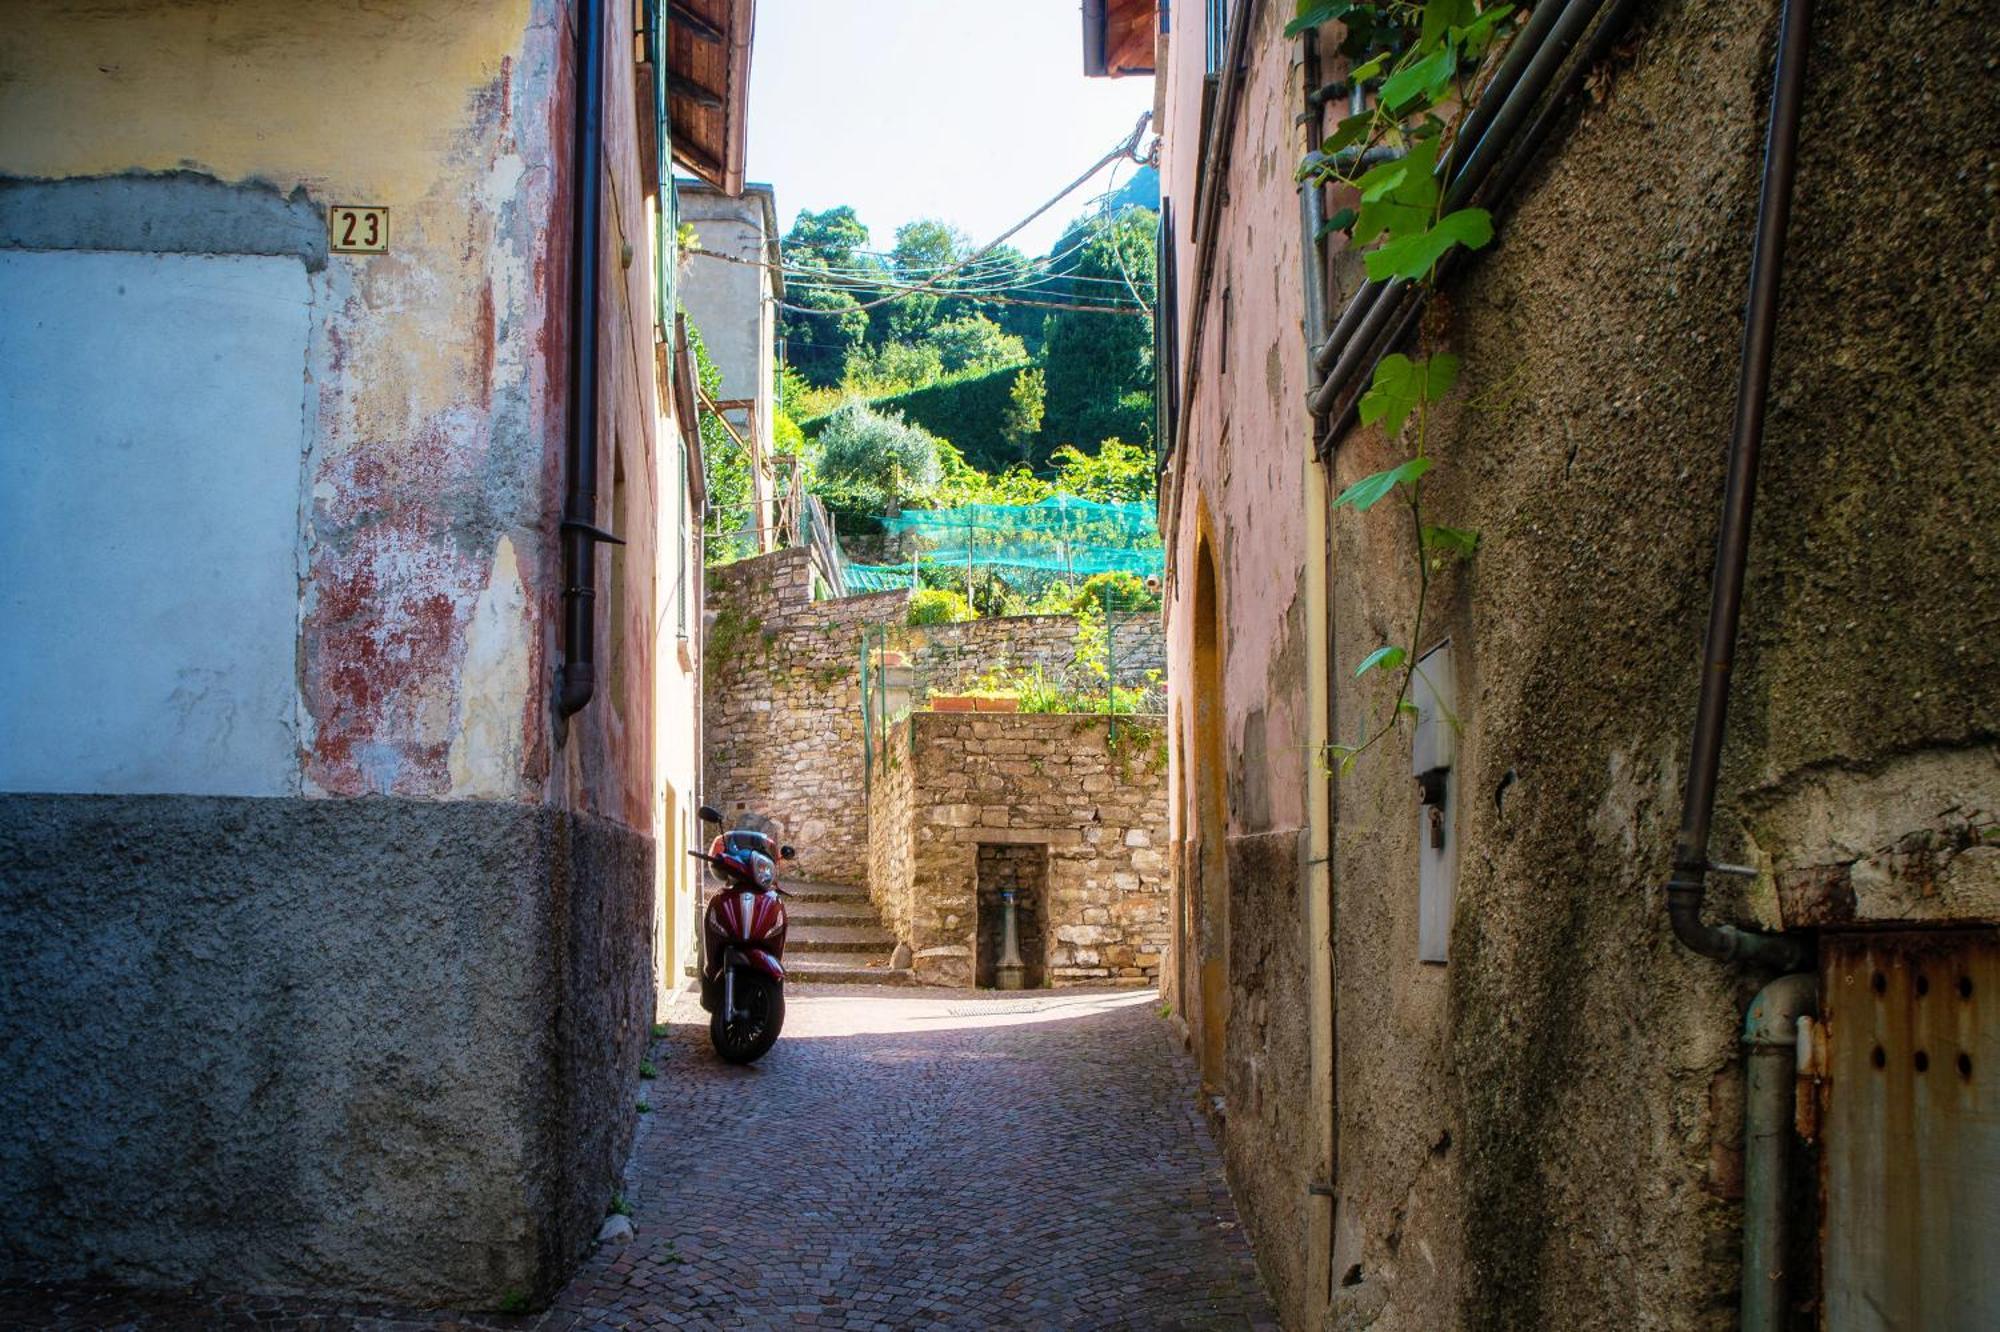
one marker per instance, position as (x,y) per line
(836,938)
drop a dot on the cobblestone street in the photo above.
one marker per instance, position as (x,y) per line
(907,1160)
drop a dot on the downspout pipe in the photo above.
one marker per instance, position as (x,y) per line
(1687,885)
(576,682)
(1770,1057)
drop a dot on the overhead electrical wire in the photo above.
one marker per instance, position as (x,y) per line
(1127,147)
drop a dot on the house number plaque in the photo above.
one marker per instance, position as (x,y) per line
(357,229)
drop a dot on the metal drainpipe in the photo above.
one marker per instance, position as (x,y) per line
(1686,887)
(1770,1024)
(576,681)
(1770,1060)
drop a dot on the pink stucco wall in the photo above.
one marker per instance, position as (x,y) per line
(1237,479)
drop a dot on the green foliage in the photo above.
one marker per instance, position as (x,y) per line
(877,457)
(891,367)
(938,606)
(828,238)
(619,1207)
(646,1069)
(1117,473)
(974,342)
(725,467)
(514,1302)
(1100,370)
(1027,400)
(1118,590)
(1401,385)
(1425,60)
(969,410)
(820,344)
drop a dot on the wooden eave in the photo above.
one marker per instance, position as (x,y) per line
(708,86)
(1118,37)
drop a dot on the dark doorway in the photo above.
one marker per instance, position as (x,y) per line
(1024,867)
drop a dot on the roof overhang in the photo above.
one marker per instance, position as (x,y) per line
(1118,37)
(708,86)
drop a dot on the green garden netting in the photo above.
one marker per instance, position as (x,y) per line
(1060,535)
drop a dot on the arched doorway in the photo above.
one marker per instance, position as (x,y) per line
(1207,767)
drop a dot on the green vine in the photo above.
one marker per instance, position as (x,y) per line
(1424,61)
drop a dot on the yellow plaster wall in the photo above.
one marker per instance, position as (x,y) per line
(357,103)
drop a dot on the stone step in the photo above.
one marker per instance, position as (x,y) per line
(843,969)
(812,937)
(844,912)
(829,892)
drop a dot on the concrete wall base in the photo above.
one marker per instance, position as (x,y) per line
(382,1047)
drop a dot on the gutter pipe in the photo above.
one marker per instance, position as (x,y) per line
(576,681)
(1687,885)
(1341,396)
(1771,1042)
(1524,73)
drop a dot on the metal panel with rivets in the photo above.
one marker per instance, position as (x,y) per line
(1911,1147)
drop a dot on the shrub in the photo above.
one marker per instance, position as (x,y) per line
(1116,589)
(937,605)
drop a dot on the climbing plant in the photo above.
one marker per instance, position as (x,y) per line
(1424,61)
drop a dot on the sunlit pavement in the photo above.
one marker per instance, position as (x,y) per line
(921,1159)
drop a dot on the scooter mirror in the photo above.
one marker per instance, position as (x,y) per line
(786,853)
(708,814)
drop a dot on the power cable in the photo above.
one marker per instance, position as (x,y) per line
(1126,148)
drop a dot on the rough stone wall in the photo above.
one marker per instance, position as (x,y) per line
(1544,1132)
(783,722)
(1056,780)
(361,1047)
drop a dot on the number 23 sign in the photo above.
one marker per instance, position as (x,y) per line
(357,230)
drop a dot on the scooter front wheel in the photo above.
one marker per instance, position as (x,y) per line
(760,1012)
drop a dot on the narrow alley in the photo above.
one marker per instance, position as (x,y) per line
(904,1158)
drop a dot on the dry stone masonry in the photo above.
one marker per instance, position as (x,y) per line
(953,789)
(783,721)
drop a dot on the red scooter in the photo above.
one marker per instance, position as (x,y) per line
(743,942)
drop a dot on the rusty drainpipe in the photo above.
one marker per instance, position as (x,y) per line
(576,680)
(1771,1021)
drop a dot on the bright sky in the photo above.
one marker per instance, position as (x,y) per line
(968,110)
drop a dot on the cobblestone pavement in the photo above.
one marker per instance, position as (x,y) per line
(920,1159)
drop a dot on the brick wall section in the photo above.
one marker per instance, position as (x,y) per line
(1059,780)
(782,718)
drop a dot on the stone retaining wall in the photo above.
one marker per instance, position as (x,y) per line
(1097,802)
(782,694)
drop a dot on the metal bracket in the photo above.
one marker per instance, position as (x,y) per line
(595,533)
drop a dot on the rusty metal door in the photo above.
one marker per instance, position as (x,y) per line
(1911,1146)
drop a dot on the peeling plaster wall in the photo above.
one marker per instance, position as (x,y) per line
(1238,484)
(1546,1130)
(395,555)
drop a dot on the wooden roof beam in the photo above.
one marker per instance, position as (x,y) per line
(696,25)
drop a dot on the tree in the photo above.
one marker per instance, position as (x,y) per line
(1100,366)
(1117,473)
(1026,400)
(820,344)
(924,249)
(876,459)
(826,239)
(974,342)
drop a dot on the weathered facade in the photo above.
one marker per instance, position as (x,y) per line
(1536,1119)
(730,289)
(1067,810)
(320,931)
